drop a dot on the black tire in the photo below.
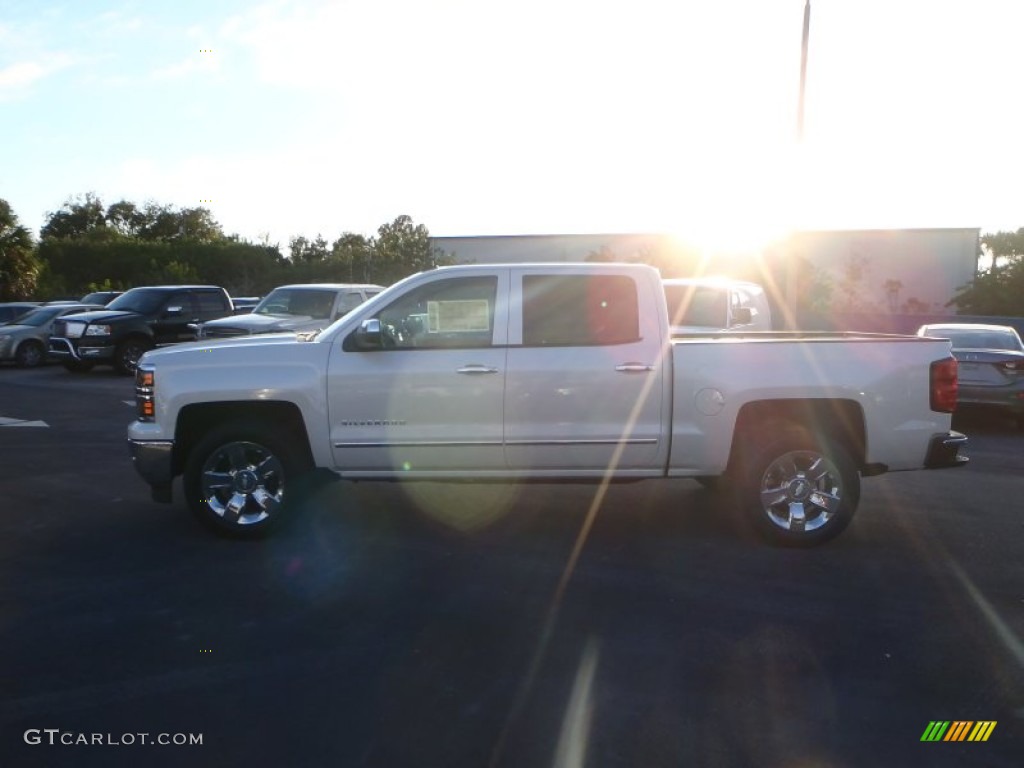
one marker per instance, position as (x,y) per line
(77,366)
(796,489)
(127,354)
(242,479)
(29,355)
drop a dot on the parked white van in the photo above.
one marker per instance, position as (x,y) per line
(713,305)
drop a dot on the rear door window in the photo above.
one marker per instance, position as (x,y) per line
(579,310)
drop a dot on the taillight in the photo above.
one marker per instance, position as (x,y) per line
(145,384)
(943,389)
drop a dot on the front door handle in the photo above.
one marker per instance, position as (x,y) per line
(474,369)
(634,368)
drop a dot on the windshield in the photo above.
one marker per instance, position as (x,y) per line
(979,339)
(300,302)
(100,297)
(39,317)
(696,305)
(141,300)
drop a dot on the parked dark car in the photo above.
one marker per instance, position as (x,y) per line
(304,307)
(135,322)
(245,304)
(26,340)
(991,365)
(12,310)
(100,297)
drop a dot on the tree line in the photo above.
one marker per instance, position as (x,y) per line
(86,246)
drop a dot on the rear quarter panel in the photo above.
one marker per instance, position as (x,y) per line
(886,377)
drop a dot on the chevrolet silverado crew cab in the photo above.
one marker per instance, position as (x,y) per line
(292,308)
(136,321)
(542,372)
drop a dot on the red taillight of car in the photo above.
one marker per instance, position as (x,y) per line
(943,390)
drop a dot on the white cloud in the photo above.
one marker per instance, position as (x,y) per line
(17,78)
(21,74)
(200,62)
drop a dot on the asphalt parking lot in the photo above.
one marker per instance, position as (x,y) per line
(439,625)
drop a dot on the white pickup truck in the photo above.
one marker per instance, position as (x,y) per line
(544,373)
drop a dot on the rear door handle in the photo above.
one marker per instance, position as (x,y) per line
(475,369)
(634,368)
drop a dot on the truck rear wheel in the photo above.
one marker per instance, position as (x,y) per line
(241,479)
(798,489)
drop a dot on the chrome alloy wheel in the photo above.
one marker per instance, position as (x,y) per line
(801,491)
(243,483)
(128,355)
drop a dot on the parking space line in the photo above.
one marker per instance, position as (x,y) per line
(9,422)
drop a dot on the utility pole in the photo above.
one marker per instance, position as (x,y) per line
(792,277)
(803,72)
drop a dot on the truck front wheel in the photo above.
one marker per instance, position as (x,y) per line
(240,479)
(797,489)
(127,354)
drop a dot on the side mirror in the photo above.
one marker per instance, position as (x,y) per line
(742,316)
(368,335)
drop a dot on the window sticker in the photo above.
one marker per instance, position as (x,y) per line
(463,316)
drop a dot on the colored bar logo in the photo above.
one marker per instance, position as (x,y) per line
(958,730)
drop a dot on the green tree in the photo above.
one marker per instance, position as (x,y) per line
(350,258)
(994,292)
(78,217)
(19,269)
(999,290)
(126,218)
(1003,247)
(163,223)
(402,248)
(306,251)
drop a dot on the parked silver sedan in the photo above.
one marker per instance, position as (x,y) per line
(991,371)
(26,340)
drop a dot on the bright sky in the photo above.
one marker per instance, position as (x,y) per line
(484,117)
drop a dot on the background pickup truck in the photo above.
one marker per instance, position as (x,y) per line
(542,372)
(292,308)
(134,322)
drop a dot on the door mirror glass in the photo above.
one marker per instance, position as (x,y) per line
(368,335)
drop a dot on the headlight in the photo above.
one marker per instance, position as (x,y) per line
(97,330)
(145,388)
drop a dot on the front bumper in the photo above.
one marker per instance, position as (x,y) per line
(152,460)
(65,349)
(944,451)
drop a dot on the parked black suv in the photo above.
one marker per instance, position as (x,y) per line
(135,322)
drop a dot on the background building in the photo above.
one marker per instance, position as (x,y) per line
(843,274)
